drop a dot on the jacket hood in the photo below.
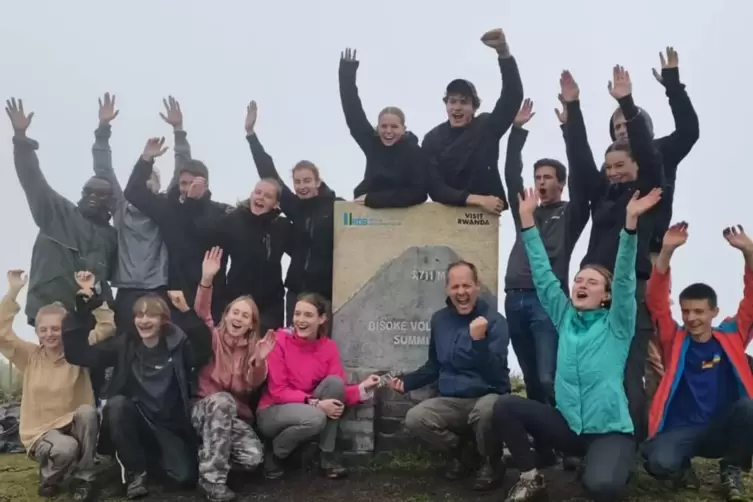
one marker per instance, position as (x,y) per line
(409,139)
(242,208)
(325,192)
(645,116)
(174,336)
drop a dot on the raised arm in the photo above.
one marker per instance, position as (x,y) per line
(173,116)
(77,346)
(17,351)
(101,152)
(209,268)
(355,117)
(511,96)
(738,239)
(514,159)
(660,283)
(138,193)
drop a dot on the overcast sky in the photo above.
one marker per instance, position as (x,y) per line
(215,57)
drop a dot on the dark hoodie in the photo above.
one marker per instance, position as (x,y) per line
(465,160)
(310,269)
(673,148)
(177,223)
(395,175)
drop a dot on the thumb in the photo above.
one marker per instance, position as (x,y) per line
(657,75)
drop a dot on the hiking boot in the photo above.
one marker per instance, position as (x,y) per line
(687,479)
(488,475)
(216,492)
(273,466)
(331,466)
(136,487)
(526,490)
(83,492)
(48,490)
(732,483)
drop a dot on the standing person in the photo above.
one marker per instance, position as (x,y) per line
(59,422)
(310,208)
(147,417)
(628,167)
(71,237)
(222,416)
(255,236)
(141,266)
(396,167)
(595,325)
(306,393)
(188,199)
(560,224)
(463,153)
(468,360)
(703,406)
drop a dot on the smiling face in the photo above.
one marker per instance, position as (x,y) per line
(264,198)
(96,197)
(391,126)
(150,313)
(698,316)
(620,167)
(460,110)
(48,326)
(306,181)
(462,288)
(590,289)
(620,126)
(240,317)
(307,320)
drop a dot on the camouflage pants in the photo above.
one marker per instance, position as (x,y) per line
(225,439)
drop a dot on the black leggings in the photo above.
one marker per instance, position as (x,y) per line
(609,460)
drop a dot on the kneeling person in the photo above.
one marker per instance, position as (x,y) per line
(468,358)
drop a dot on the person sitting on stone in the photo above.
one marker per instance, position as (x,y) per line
(146,419)
(222,416)
(306,393)
(703,405)
(59,422)
(396,166)
(468,358)
(595,326)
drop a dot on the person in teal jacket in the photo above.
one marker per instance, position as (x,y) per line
(595,327)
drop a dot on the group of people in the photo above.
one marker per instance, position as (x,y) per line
(202,366)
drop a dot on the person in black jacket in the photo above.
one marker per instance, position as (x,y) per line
(176,213)
(254,236)
(395,165)
(146,419)
(628,167)
(463,153)
(311,211)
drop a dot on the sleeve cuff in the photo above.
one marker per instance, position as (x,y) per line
(630,231)
(627,105)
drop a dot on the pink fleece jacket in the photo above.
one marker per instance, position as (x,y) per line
(297,365)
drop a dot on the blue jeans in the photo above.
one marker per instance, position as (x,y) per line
(534,339)
(728,437)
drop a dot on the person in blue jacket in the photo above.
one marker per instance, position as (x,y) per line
(468,359)
(596,326)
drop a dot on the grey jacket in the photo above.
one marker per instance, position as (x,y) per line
(67,241)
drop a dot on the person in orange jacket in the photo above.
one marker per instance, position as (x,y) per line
(703,406)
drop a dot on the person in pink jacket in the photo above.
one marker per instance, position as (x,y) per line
(222,416)
(306,392)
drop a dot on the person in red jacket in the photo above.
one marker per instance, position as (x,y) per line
(306,393)
(703,406)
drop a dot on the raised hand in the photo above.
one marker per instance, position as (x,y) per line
(17,279)
(154,148)
(738,239)
(620,85)
(639,205)
(173,114)
(525,113)
(107,111)
(18,118)
(349,56)
(178,299)
(497,40)
(569,90)
(672,60)
(251,113)
(478,328)
(264,346)
(527,204)
(197,189)
(212,264)
(85,280)
(675,236)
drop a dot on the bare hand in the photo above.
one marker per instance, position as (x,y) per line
(251,114)
(265,345)
(561,115)
(17,279)
(173,114)
(675,236)
(671,61)
(18,118)
(197,189)
(85,280)
(527,204)
(569,90)
(738,239)
(107,111)
(178,299)
(496,40)
(525,114)
(349,56)
(397,385)
(620,85)
(637,206)
(332,408)
(212,264)
(154,148)
(478,328)
(360,200)
(371,382)
(491,204)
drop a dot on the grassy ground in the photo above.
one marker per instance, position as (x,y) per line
(403,478)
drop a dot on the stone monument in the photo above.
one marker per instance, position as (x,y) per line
(389,278)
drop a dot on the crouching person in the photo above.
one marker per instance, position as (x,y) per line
(703,405)
(306,392)
(146,419)
(468,358)
(222,416)
(59,423)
